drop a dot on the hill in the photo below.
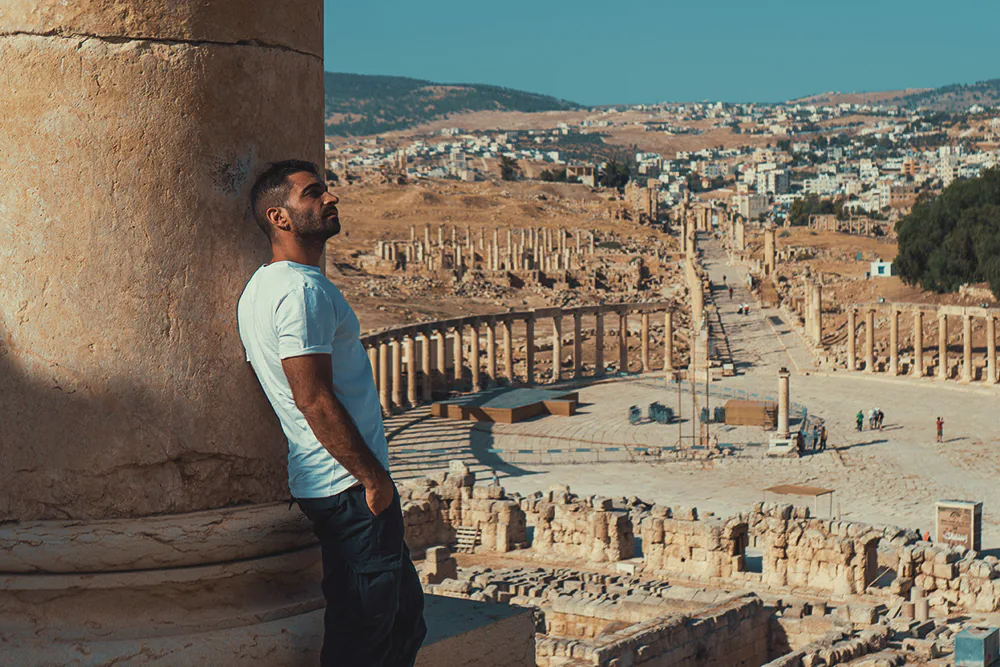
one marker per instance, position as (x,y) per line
(358,104)
(954,98)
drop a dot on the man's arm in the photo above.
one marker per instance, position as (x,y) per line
(311,380)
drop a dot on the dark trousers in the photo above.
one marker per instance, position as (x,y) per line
(374,601)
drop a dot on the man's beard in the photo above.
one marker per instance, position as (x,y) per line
(313,226)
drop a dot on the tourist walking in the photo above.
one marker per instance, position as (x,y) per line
(861,420)
(940,429)
(302,339)
(871,418)
(822,438)
(730,292)
(815,437)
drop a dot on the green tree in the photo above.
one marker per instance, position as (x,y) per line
(617,171)
(509,168)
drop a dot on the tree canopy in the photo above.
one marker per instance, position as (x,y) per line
(953,238)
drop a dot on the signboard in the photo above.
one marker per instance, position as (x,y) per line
(959,523)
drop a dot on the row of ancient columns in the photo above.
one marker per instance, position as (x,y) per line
(917,368)
(525,250)
(411,363)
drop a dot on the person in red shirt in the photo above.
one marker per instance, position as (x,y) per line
(940,429)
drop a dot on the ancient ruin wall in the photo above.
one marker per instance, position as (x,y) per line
(132,133)
(569,527)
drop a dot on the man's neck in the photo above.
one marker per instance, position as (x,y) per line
(308,254)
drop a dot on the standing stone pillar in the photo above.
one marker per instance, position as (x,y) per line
(817,314)
(458,370)
(870,341)
(852,330)
(427,235)
(384,377)
(623,341)
(942,347)
(474,355)
(427,388)
(668,340)
(373,361)
(966,348)
(783,403)
(397,373)
(770,252)
(557,347)
(529,350)
(991,349)
(918,343)
(442,358)
(644,339)
(894,342)
(491,352)
(599,343)
(412,371)
(508,351)
(577,341)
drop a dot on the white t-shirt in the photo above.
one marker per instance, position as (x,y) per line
(290,310)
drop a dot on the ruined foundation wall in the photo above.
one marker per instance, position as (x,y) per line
(674,541)
(570,527)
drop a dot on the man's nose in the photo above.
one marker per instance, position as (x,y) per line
(331,198)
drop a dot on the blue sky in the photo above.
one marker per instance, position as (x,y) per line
(634,51)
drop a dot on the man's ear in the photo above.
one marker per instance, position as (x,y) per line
(278,217)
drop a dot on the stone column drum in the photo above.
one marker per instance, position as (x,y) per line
(852,332)
(918,343)
(870,341)
(132,132)
(991,349)
(943,347)
(894,342)
(966,348)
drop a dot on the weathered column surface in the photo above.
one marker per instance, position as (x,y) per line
(426,386)
(557,348)
(966,348)
(783,402)
(118,307)
(577,339)
(491,352)
(384,378)
(870,341)
(397,372)
(942,347)
(918,343)
(991,349)
(412,368)
(644,340)
(599,343)
(529,350)
(852,332)
(894,342)
(458,370)
(668,341)
(474,356)
(508,351)
(622,341)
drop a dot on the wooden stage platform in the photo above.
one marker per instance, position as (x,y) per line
(508,406)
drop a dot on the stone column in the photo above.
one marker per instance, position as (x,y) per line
(577,341)
(770,252)
(412,371)
(852,330)
(783,402)
(894,342)
(942,347)
(118,306)
(442,358)
(668,340)
(427,389)
(817,314)
(870,341)
(529,350)
(623,341)
(508,351)
(557,347)
(373,360)
(918,343)
(644,340)
(458,370)
(491,352)
(474,356)
(397,373)
(599,343)
(384,377)
(966,348)
(991,349)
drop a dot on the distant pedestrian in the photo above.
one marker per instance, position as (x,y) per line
(739,311)
(871,418)
(927,536)
(861,420)
(815,439)
(730,292)
(940,429)
(723,279)
(879,418)
(822,438)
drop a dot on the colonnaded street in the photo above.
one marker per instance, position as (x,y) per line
(889,476)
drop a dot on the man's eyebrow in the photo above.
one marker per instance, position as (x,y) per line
(313,186)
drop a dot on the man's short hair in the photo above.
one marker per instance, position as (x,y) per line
(272,187)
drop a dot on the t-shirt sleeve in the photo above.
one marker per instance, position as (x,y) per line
(305,322)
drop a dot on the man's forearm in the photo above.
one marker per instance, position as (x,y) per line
(337,432)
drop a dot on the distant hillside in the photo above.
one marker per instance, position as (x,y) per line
(953,98)
(957,97)
(358,104)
